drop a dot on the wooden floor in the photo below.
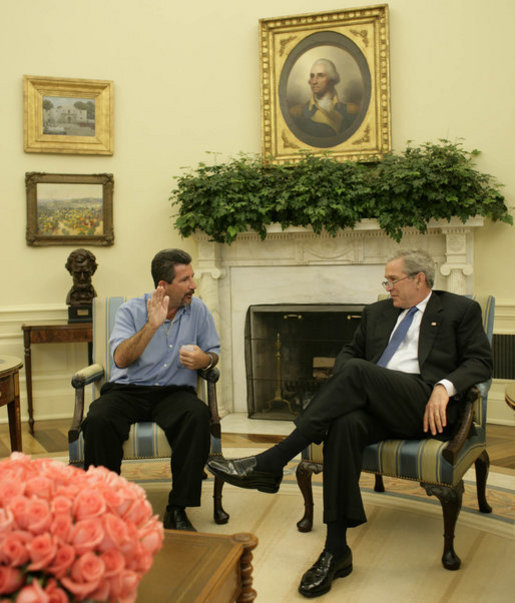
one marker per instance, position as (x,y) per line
(50,438)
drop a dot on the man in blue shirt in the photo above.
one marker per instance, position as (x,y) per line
(158,344)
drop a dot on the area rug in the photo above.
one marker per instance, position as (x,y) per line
(396,553)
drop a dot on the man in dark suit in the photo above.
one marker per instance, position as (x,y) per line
(402,375)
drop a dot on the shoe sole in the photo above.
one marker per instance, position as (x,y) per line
(257,482)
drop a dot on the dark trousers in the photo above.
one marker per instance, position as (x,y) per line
(361,405)
(183,417)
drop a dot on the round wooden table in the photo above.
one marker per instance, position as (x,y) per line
(10,395)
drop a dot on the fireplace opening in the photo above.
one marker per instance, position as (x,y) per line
(290,351)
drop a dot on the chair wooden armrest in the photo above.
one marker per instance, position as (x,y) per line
(451,451)
(80,379)
(87,375)
(211,376)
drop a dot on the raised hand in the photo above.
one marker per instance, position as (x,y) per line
(157,307)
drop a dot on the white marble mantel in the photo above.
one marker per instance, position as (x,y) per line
(299,266)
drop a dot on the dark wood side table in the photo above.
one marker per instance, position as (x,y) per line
(57,333)
(199,567)
(10,395)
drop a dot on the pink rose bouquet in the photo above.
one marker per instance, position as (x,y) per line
(70,535)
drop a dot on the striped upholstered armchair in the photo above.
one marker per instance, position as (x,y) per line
(438,466)
(146,440)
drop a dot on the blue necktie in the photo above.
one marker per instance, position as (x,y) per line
(398,336)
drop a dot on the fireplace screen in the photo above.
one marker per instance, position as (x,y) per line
(290,351)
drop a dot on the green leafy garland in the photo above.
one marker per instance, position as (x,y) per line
(432,181)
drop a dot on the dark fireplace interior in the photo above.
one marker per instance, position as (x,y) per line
(290,351)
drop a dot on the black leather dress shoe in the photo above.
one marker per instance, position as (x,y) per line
(243,473)
(175,518)
(318,579)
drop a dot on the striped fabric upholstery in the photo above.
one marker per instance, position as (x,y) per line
(146,440)
(422,460)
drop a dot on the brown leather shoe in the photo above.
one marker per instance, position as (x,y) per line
(175,518)
(318,579)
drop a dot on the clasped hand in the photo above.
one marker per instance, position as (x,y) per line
(192,357)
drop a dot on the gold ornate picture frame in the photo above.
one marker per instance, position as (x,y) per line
(68,115)
(69,209)
(325,85)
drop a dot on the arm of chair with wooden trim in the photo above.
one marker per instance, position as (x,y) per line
(211,377)
(80,379)
(451,451)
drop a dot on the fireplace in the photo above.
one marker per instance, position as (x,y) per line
(290,351)
(298,266)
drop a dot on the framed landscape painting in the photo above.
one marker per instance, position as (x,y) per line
(68,115)
(325,85)
(69,209)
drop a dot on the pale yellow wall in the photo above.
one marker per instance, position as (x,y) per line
(186,81)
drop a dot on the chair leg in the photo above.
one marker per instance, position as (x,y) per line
(305,470)
(219,514)
(451,500)
(379,484)
(482,465)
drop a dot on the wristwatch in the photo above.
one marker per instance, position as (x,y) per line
(211,362)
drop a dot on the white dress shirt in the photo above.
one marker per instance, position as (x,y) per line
(405,358)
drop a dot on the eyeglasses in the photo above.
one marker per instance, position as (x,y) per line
(390,284)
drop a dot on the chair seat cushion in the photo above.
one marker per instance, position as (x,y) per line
(419,460)
(146,440)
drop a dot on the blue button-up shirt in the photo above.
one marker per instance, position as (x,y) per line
(159,364)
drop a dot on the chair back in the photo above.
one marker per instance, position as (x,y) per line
(104,313)
(487,303)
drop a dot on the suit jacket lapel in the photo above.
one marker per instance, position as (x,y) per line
(429,327)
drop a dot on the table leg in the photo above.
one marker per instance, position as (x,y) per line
(14,415)
(28,378)
(249,542)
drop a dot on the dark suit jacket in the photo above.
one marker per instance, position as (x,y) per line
(452,342)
